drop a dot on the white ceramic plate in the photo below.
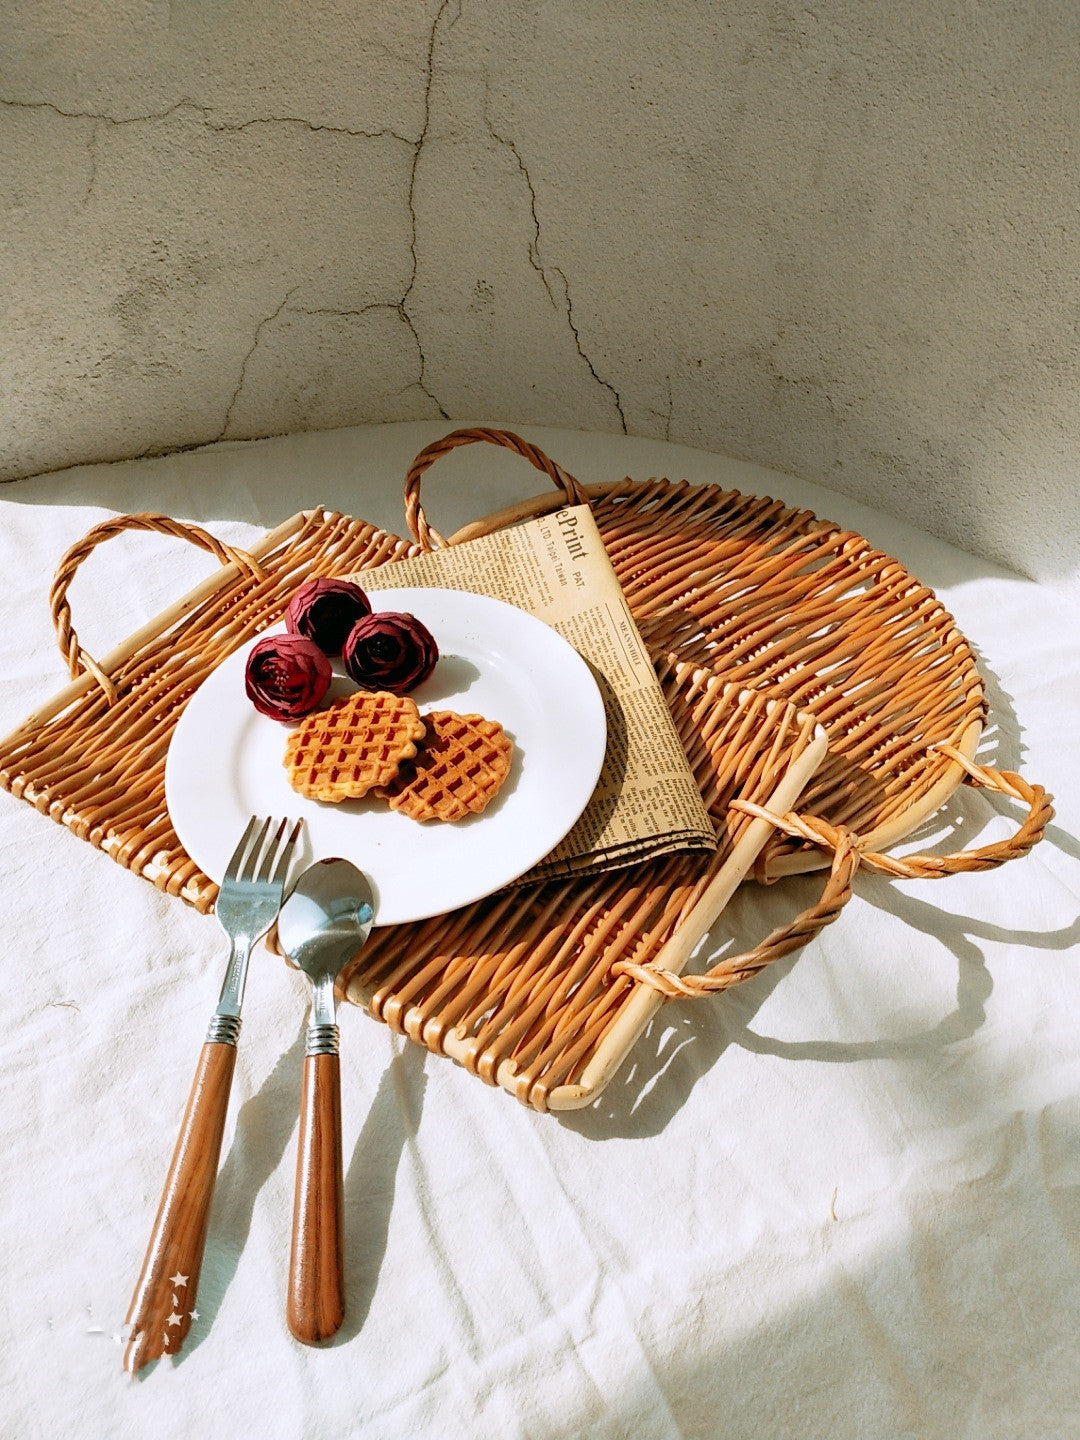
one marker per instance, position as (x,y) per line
(224,762)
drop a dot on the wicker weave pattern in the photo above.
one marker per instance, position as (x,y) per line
(773,597)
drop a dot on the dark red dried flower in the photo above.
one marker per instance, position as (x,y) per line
(388,650)
(286,676)
(325,610)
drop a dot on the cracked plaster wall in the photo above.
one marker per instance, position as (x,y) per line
(839,241)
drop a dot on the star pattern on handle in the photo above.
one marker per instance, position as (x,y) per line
(176,1321)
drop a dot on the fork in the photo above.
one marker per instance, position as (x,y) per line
(163,1304)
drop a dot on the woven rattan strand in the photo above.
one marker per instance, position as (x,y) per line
(743,602)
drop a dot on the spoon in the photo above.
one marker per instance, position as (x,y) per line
(321,927)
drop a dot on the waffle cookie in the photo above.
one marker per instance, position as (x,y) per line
(352,746)
(457,771)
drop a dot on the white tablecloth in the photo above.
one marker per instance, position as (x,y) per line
(842,1200)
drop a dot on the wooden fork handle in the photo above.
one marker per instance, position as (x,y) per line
(164,1300)
(316,1304)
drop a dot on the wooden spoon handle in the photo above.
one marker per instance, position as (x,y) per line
(317,1265)
(162,1306)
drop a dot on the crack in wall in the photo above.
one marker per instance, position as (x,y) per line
(314,126)
(99,115)
(411,200)
(418,144)
(206,112)
(670,408)
(267,320)
(422,382)
(342,313)
(397,306)
(581,351)
(538,265)
(534,243)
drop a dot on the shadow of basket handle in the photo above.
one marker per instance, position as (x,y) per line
(76,657)
(426,536)
(736,968)
(934,867)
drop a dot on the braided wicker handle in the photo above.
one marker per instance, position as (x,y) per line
(661,973)
(426,536)
(76,657)
(1040,812)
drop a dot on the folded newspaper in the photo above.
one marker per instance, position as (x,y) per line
(646,802)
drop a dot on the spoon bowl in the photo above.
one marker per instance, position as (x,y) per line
(326,918)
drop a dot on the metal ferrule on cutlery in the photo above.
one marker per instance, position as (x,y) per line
(223,1030)
(322,1032)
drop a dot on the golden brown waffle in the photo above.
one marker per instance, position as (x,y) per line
(352,746)
(458,770)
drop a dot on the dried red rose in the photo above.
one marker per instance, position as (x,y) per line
(286,676)
(325,610)
(388,650)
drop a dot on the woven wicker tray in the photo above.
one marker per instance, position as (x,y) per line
(795,658)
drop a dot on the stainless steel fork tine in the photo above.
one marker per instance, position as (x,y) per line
(287,853)
(271,850)
(233,869)
(265,853)
(247,874)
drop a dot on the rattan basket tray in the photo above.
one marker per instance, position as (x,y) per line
(798,661)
